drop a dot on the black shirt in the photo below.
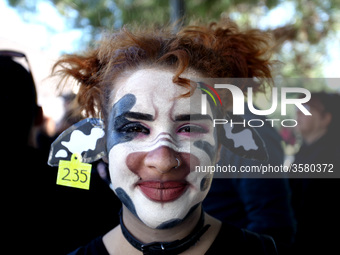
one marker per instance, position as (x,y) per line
(315,200)
(230,240)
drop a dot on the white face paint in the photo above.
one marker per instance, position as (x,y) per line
(154,147)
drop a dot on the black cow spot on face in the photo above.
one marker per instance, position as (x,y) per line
(173,222)
(210,149)
(117,121)
(205,182)
(207,147)
(126,200)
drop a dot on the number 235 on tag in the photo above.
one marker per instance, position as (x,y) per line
(74,173)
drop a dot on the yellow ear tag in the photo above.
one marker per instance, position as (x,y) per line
(74,173)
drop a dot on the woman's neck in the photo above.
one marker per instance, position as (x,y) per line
(116,243)
(146,234)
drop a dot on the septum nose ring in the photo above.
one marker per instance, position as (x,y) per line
(178,163)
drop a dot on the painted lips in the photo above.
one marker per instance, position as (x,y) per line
(163,191)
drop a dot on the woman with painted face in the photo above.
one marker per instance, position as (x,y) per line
(146,86)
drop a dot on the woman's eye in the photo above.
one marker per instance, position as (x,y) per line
(192,129)
(134,128)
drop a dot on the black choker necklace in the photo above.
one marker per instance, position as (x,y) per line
(166,248)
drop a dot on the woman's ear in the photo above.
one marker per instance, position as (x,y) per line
(87,137)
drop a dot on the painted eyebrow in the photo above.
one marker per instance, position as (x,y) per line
(138,116)
(188,117)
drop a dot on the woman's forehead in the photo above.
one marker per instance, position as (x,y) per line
(154,90)
(146,81)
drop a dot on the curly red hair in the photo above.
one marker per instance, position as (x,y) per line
(219,50)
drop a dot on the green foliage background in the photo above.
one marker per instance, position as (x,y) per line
(301,39)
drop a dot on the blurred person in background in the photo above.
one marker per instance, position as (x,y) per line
(315,201)
(38,209)
(262,205)
(20,97)
(26,174)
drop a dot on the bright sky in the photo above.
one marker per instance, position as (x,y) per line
(43,37)
(47,30)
